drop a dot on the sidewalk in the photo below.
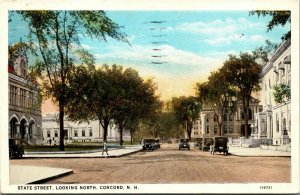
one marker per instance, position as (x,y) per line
(37,174)
(257,152)
(41,174)
(113,153)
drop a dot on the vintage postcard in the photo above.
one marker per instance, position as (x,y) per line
(142,96)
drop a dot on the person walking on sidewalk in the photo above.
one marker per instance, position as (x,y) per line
(105,148)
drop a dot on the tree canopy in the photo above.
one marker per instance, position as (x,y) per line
(111,94)
(243,73)
(54,39)
(219,97)
(187,110)
(278,18)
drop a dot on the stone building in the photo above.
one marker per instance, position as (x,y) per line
(24,108)
(232,125)
(77,132)
(275,119)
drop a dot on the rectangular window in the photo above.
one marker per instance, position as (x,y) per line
(225,128)
(13,95)
(22,98)
(215,129)
(30,99)
(207,129)
(230,117)
(225,117)
(56,133)
(48,133)
(75,133)
(91,133)
(230,129)
(83,133)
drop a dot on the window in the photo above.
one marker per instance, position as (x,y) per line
(75,133)
(48,133)
(22,97)
(30,100)
(195,132)
(215,118)
(225,117)
(230,117)
(230,129)
(277,123)
(13,95)
(215,129)
(23,68)
(225,128)
(207,119)
(83,133)
(56,133)
(91,133)
(207,129)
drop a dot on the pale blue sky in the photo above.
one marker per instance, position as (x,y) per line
(190,43)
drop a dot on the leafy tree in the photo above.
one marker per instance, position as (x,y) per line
(187,110)
(139,101)
(110,94)
(278,18)
(263,53)
(54,35)
(219,97)
(243,72)
(281,92)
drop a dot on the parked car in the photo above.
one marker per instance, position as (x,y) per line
(220,145)
(16,149)
(149,144)
(198,143)
(184,143)
(157,143)
(207,142)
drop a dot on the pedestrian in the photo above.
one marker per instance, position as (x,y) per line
(105,148)
(50,141)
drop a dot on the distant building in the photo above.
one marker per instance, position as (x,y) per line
(275,119)
(24,108)
(232,125)
(77,132)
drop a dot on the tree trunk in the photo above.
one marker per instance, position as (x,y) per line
(121,134)
(220,122)
(246,108)
(61,125)
(105,129)
(131,138)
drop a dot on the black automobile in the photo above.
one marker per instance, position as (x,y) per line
(16,149)
(184,143)
(157,144)
(207,142)
(149,144)
(220,145)
(198,142)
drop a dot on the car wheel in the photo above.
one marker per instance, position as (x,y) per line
(11,153)
(20,155)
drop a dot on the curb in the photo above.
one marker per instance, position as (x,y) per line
(51,178)
(98,156)
(239,155)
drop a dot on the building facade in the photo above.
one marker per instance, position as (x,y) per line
(232,123)
(77,132)
(275,119)
(25,119)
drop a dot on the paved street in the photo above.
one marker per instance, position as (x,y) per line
(168,165)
